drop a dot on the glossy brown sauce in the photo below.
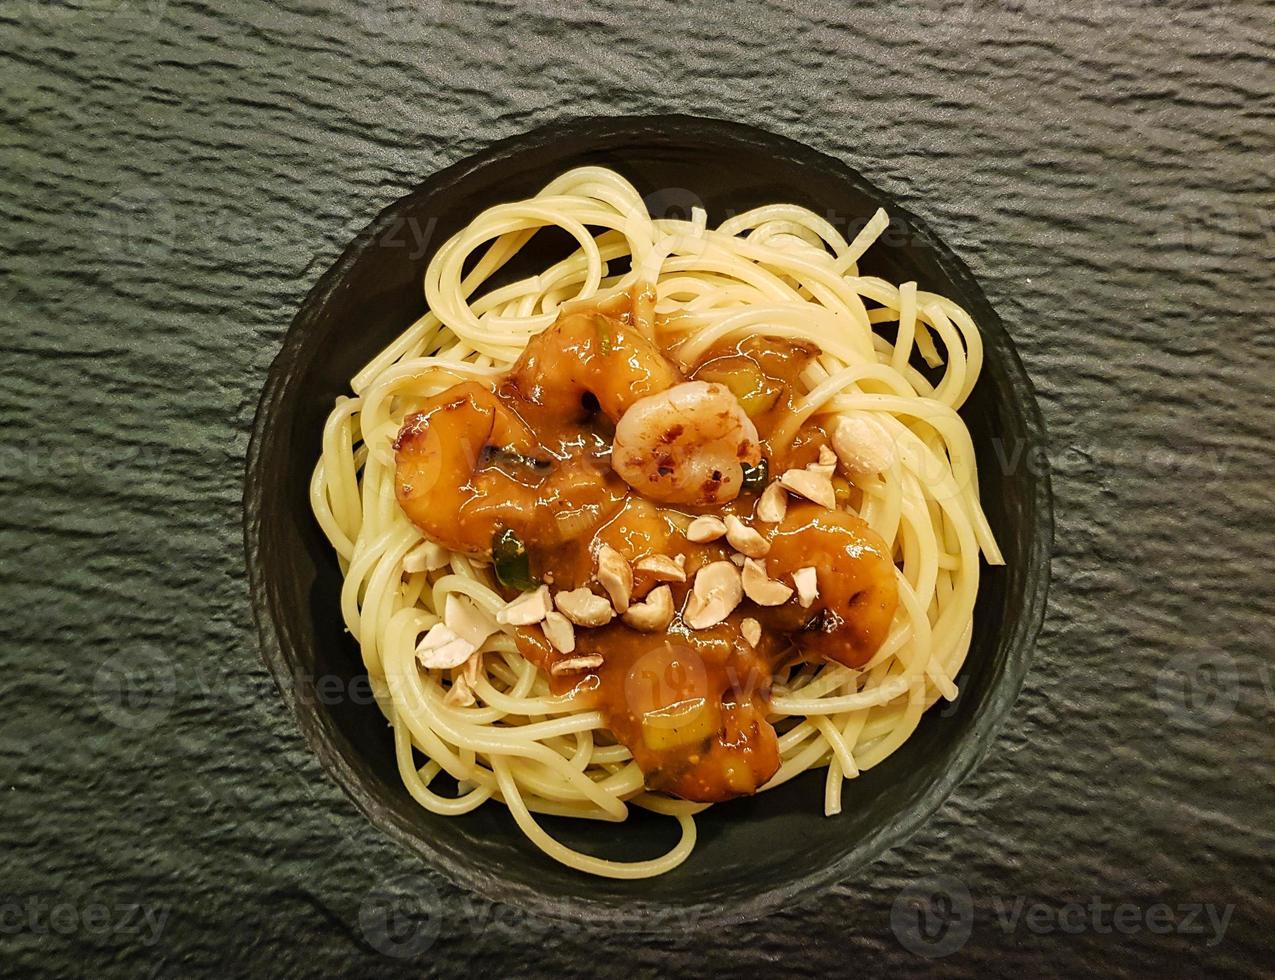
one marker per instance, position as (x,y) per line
(534,457)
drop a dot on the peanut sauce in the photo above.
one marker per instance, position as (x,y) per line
(532,458)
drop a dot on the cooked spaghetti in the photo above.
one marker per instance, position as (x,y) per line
(687,514)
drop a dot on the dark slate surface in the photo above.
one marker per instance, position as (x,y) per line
(177,174)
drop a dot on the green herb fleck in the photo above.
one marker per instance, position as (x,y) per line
(509,558)
(604,334)
(755,477)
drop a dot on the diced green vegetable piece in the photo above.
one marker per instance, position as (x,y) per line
(756,477)
(605,343)
(755,393)
(509,559)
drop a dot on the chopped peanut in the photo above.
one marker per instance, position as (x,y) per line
(862,443)
(715,594)
(425,557)
(744,539)
(663,568)
(705,528)
(460,694)
(811,485)
(773,504)
(654,614)
(574,664)
(807,584)
(583,607)
(443,649)
(559,632)
(616,576)
(761,588)
(527,610)
(466,618)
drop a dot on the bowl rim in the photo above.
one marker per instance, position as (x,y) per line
(1005,682)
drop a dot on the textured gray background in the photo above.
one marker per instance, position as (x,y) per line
(176,176)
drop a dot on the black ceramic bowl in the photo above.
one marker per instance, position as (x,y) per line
(752,854)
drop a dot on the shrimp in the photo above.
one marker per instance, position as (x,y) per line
(532,456)
(583,356)
(467,465)
(857,589)
(675,442)
(688,444)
